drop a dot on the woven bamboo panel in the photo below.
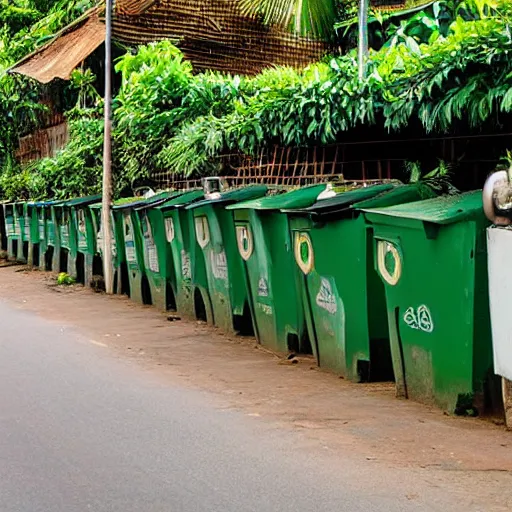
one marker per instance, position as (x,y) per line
(42,143)
(213,34)
(133,7)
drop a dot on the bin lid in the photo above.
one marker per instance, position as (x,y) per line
(299,198)
(441,210)
(234,196)
(182,200)
(144,202)
(46,204)
(342,202)
(84,201)
(117,202)
(400,194)
(159,199)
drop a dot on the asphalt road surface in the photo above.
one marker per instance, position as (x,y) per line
(82,430)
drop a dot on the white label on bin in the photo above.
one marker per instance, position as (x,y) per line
(169,229)
(27,226)
(152,257)
(153,260)
(185,265)
(81,222)
(265,308)
(419,319)
(219,265)
(129,241)
(263,287)
(64,234)
(41,229)
(325,297)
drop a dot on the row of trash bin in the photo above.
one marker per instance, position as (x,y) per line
(386,281)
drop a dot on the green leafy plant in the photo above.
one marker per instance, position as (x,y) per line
(25,24)
(438,180)
(64,279)
(168,119)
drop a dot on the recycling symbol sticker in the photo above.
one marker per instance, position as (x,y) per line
(262,287)
(325,297)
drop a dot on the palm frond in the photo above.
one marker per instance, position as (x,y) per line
(306,17)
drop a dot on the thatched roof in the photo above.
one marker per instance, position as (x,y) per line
(63,53)
(213,34)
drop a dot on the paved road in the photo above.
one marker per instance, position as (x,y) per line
(81,430)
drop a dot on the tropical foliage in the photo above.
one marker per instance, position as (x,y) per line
(464,77)
(24,25)
(439,69)
(311,17)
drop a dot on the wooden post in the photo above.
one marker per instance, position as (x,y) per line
(106,218)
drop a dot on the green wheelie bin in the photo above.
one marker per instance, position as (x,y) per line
(170,276)
(265,245)
(25,223)
(94,268)
(43,214)
(84,247)
(24,228)
(52,236)
(224,277)
(41,233)
(431,257)
(137,243)
(31,234)
(13,231)
(65,257)
(3,232)
(342,295)
(156,263)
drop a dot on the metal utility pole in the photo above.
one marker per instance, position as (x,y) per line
(106,218)
(362,53)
